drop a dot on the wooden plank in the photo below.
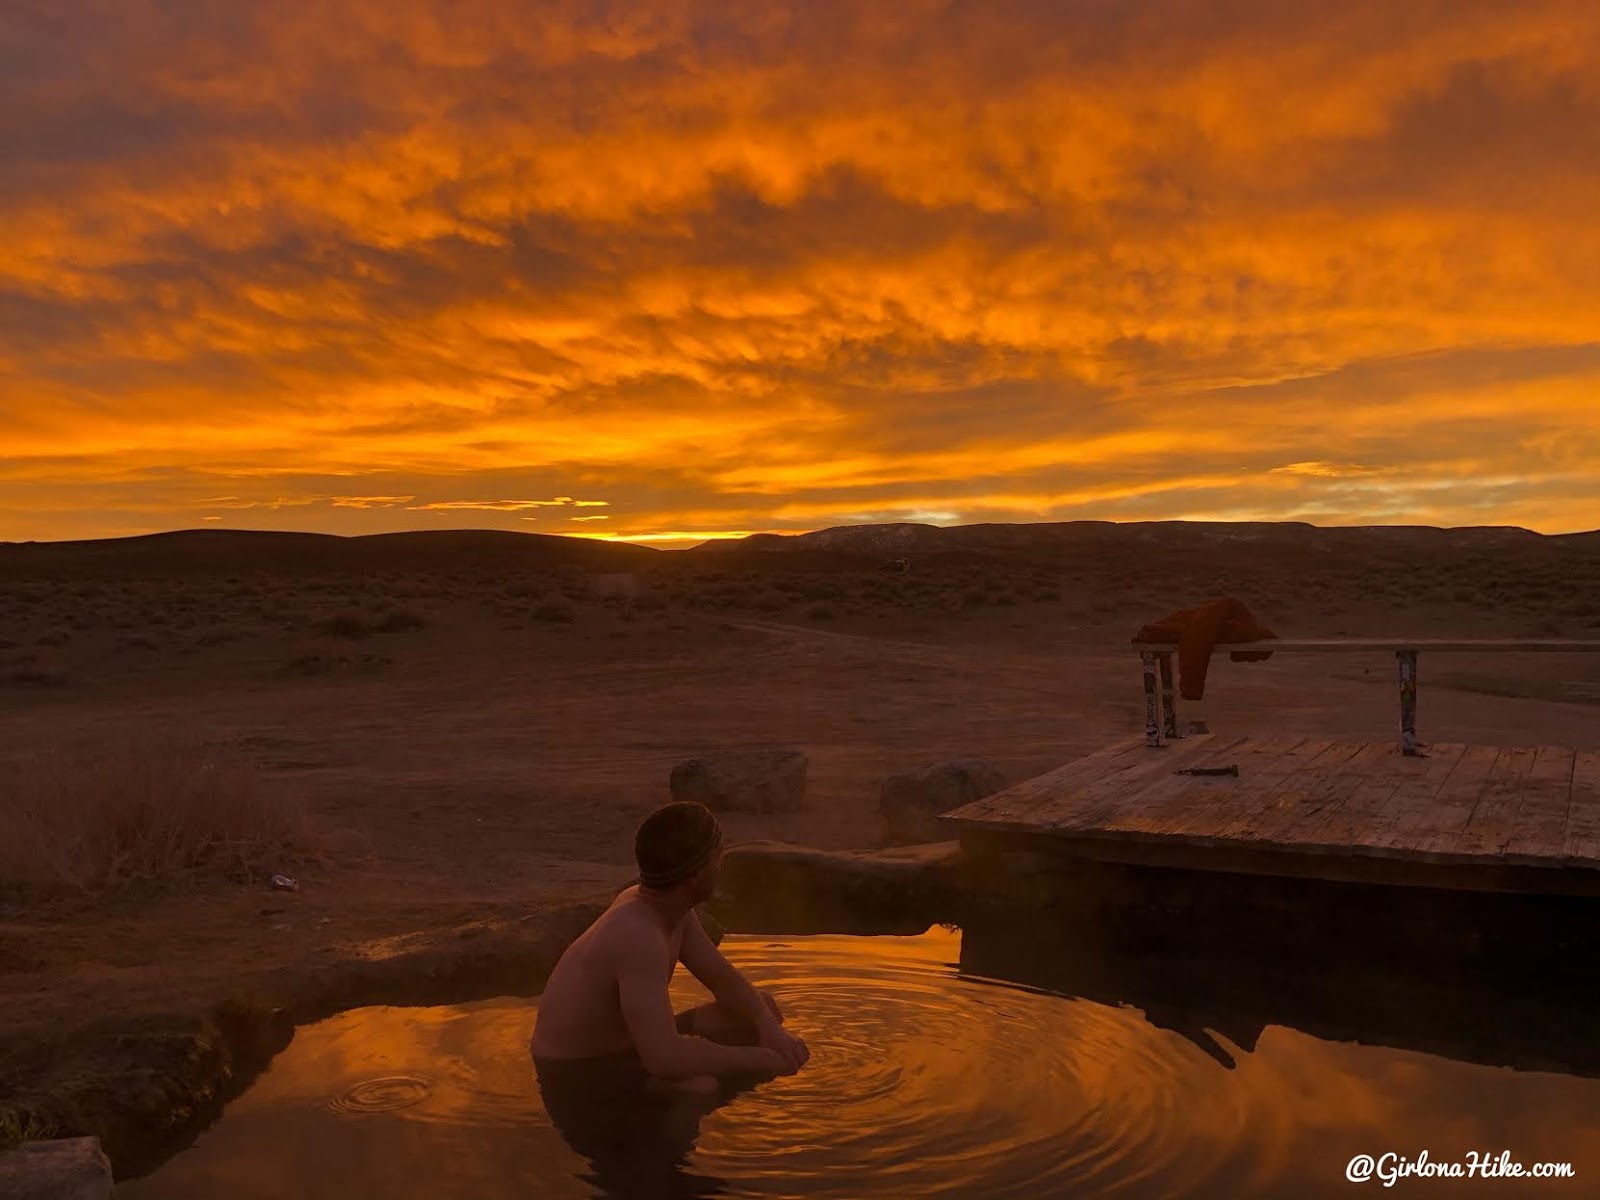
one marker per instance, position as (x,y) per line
(1494,807)
(1369,800)
(1331,645)
(1424,775)
(1541,826)
(1448,810)
(1581,846)
(1093,806)
(1200,807)
(1278,801)
(1113,796)
(1315,801)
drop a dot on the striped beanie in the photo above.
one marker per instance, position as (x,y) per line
(674,842)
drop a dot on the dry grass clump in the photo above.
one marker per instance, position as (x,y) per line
(17,1127)
(354,621)
(395,620)
(322,657)
(38,668)
(555,607)
(769,600)
(347,623)
(143,810)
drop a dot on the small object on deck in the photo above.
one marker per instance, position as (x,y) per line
(1198,726)
(282,883)
(1230,769)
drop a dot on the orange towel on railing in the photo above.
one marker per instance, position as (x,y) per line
(1197,632)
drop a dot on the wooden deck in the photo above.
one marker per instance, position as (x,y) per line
(1487,818)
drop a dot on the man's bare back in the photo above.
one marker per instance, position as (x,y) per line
(580,1012)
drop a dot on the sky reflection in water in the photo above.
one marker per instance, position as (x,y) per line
(924,1081)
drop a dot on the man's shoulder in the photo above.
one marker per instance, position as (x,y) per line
(628,925)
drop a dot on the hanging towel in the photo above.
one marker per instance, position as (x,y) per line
(1197,632)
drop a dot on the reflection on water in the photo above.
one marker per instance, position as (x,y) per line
(940,1067)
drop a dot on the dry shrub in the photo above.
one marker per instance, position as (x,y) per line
(397,619)
(39,668)
(320,658)
(555,607)
(769,600)
(347,623)
(151,810)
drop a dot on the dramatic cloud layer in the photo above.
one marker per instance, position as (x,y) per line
(692,269)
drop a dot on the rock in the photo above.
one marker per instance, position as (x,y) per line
(62,1169)
(774,887)
(911,803)
(763,781)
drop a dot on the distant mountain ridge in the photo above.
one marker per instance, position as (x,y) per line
(245,550)
(908,537)
(234,551)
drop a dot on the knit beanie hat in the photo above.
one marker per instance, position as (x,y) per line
(674,842)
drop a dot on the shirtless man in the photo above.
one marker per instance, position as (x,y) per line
(606,1034)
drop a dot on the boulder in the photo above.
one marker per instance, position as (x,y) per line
(911,803)
(761,781)
(62,1169)
(775,887)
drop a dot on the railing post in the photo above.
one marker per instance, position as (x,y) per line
(1408,700)
(1169,701)
(1152,723)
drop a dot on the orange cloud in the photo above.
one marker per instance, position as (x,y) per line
(754,269)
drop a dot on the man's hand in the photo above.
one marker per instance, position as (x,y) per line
(790,1049)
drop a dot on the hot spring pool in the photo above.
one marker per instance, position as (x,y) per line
(925,1080)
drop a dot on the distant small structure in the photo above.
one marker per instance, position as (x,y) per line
(895,564)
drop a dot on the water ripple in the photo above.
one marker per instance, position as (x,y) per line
(935,1086)
(387,1094)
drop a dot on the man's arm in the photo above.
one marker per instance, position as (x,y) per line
(641,970)
(721,978)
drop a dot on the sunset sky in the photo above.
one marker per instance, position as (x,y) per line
(687,269)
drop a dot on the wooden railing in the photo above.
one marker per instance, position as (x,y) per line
(1161,706)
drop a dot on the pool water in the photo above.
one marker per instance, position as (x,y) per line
(925,1080)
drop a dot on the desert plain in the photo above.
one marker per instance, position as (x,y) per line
(438,735)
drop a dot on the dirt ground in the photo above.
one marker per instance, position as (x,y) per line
(488,757)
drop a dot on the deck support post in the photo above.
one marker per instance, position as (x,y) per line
(1408,700)
(1169,701)
(1152,721)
